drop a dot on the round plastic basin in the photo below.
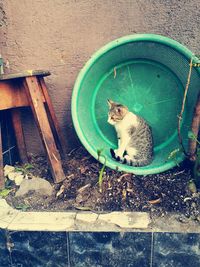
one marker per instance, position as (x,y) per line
(147,73)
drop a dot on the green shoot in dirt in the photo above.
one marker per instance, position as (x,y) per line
(22,207)
(5,192)
(100,180)
(8,188)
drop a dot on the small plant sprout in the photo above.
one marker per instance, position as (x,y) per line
(22,207)
(99,152)
(174,155)
(100,180)
(192,136)
(25,168)
(5,192)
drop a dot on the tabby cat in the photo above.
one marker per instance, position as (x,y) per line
(135,141)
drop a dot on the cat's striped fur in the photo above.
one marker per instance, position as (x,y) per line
(135,142)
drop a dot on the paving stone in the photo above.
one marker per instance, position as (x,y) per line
(4,253)
(38,185)
(39,249)
(7,214)
(110,249)
(126,219)
(87,217)
(43,221)
(176,250)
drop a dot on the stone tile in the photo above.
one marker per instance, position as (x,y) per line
(39,249)
(176,250)
(87,217)
(7,214)
(4,205)
(3,225)
(4,253)
(139,220)
(172,224)
(43,221)
(110,249)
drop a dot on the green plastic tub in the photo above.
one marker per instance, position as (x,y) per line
(148,73)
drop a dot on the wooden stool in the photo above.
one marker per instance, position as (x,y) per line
(29,89)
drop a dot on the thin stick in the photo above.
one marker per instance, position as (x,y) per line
(180,116)
(195,129)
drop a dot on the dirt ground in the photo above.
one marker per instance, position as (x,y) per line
(157,194)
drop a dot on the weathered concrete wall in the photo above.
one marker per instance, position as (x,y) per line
(61,35)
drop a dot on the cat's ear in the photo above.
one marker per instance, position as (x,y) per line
(110,103)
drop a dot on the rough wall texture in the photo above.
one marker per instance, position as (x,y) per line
(61,35)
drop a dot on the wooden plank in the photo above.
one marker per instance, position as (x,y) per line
(19,134)
(2,180)
(53,119)
(12,94)
(34,93)
(23,74)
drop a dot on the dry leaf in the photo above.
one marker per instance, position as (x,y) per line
(124,194)
(83,188)
(123,176)
(61,190)
(129,190)
(155,201)
(109,185)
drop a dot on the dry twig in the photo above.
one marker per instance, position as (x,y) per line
(195,129)
(180,116)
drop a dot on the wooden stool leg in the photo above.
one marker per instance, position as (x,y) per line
(2,180)
(34,94)
(55,125)
(19,134)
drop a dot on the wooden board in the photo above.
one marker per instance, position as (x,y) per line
(12,94)
(34,94)
(23,74)
(54,122)
(19,134)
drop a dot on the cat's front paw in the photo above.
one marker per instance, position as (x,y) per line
(118,153)
(114,154)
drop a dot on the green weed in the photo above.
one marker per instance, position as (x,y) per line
(100,179)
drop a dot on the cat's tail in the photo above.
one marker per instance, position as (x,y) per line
(128,161)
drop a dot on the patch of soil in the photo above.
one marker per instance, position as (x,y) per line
(157,194)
